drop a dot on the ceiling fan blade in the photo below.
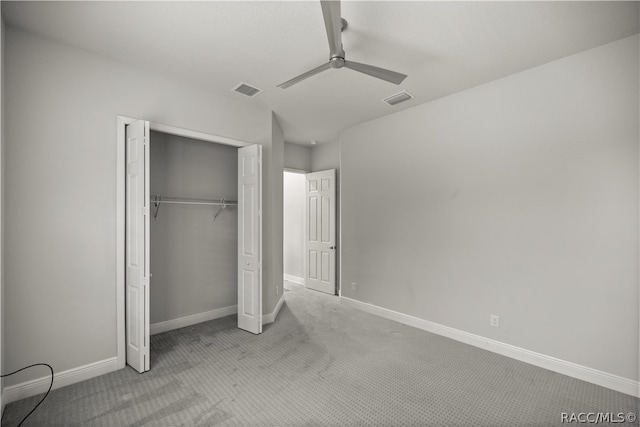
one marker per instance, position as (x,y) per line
(301,77)
(333,24)
(381,73)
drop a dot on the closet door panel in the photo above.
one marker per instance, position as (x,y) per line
(248,222)
(249,239)
(137,246)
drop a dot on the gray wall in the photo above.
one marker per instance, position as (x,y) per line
(60,189)
(297,157)
(293,232)
(325,156)
(194,259)
(517,198)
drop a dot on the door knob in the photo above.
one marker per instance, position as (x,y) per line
(332,247)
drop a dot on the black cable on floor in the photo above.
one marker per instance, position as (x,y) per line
(45,395)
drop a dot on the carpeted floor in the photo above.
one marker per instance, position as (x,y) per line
(321,363)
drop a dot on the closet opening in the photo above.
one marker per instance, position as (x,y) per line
(193,231)
(189,233)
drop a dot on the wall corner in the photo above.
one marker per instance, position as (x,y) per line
(272,220)
(2,192)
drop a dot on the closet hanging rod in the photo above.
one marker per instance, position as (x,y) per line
(176,200)
(222,204)
(180,202)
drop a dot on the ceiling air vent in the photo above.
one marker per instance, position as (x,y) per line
(398,98)
(246,90)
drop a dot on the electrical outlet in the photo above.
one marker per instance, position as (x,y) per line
(494,320)
(353,286)
(277,291)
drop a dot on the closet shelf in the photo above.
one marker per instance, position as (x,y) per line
(222,204)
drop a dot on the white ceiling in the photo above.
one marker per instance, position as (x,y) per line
(444,47)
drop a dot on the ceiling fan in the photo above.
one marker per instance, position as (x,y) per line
(334,25)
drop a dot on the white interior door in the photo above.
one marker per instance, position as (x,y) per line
(137,245)
(320,231)
(250,238)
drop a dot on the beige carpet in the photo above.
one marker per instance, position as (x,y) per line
(321,363)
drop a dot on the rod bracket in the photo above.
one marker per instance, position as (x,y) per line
(157,200)
(222,207)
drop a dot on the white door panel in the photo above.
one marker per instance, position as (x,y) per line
(320,231)
(137,245)
(250,238)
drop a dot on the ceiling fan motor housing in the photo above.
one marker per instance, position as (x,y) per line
(337,61)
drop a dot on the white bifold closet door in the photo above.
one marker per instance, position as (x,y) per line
(250,238)
(320,231)
(137,245)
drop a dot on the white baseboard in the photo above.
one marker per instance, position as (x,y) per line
(594,376)
(271,317)
(193,319)
(60,379)
(294,279)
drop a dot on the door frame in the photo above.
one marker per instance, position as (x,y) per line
(304,260)
(338,235)
(121,124)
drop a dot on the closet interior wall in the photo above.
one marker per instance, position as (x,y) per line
(193,257)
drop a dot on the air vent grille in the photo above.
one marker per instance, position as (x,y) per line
(398,98)
(246,90)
